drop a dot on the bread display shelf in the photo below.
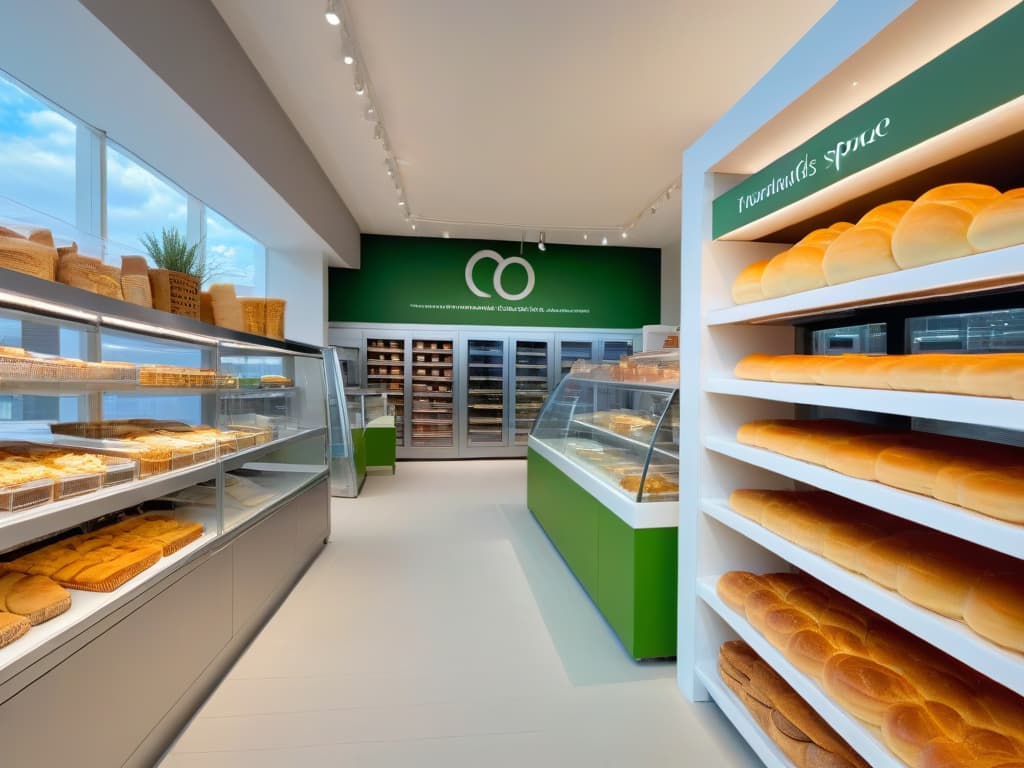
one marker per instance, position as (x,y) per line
(952,637)
(86,608)
(987,411)
(432,421)
(864,740)
(420,377)
(531,378)
(956,521)
(645,444)
(389,350)
(386,376)
(255,393)
(485,392)
(980,272)
(531,353)
(738,715)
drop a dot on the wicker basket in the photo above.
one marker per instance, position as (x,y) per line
(136,290)
(90,274)
(206,307)
(22,255)
(227,311)
(175,292)
(254,316)
(275,318)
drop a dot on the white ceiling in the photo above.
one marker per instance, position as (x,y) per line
(545,114)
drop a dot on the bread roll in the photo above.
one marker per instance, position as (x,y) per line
(997,493)
(858,456)
(911,468)
(747,286)
(794,749)
(939,578)
(881,559)
(994,608)
(751,502)
(782,623)
(1000,224)
(922,372)
(735,587)
(935,227)
(12,627)
(985,375)
(808,650)
(785,582)
(799,268)
(811,601)
(844,541)
(756,367)
(946,753)
(949,478)
(739,656)
(37,598)
(865,250)
(863,371)
(788,728)
(795,369)
(759,604)
(907,729)
(864,687)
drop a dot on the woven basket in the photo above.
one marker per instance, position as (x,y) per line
(175,292)
(22,255)
(254,316)
(90,274)
(206,307)
(275,318)
(227,310)
(136,290)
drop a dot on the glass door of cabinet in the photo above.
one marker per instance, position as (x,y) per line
(433,411)
(613,349)
(531,380)
(485,393)
(386,360)
(571,350)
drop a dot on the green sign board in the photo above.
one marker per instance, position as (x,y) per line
(484,282)
(982,72)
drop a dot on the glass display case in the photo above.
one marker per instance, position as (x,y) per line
(626,434)
(162,437)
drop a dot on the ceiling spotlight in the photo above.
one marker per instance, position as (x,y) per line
(359,83)
(331,14)
(668,193)
(378,132)
(402,202)
(604,240)
(625,234)
(446,234)
(413,225)
(349,59)
(586,236)
(541,245)
(389,166)
(370,113)
(654,209)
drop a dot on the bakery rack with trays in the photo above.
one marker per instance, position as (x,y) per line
(716,334)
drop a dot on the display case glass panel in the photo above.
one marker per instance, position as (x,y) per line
(485,392)
(625,434)
(386,369)
(433,375)
(615,349)
(572,350)
(530,385)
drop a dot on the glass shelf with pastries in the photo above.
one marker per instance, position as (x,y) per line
(623,434)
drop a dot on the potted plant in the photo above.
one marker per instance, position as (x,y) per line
(180,272)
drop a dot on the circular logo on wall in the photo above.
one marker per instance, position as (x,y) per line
(503,263)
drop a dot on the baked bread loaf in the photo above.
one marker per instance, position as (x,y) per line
(865,250)
(37,598)
(926,704)
(12,627)
(747,286)
(1000,224)
(800,732)
(994,608)
(92,562)
(171,534)
(935,227)
(800,268)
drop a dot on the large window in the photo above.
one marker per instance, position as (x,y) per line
(139,201)
(37,153)
(234,257)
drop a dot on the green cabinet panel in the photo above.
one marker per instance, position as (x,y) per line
(631,574)
(359,452)
(569,515)
(380,446)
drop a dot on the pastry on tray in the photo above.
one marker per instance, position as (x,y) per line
(654,484)
(37,598)
(12,627)
(95,562)
(169,533)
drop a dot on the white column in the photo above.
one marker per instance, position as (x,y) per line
(300,278)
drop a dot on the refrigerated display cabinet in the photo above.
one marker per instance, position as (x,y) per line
(603,482)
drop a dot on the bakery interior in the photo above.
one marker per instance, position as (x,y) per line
(438,384)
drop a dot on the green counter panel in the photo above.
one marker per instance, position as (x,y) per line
(631,574)
(359,453)
(380,446)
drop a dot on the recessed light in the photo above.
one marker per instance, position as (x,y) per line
(625,234)
(855,83)
(331,14)
(541,245)
(349,59)
(446,234)
(604,241)
(586,236)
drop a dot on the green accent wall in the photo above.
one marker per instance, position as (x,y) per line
(423,280)
(630,574)
(984,71)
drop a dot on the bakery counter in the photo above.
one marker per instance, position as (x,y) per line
(956,277)
(984,411)
(35,523)
(251,488)
(865,740)
(957,521)
(623,552)
(951,636)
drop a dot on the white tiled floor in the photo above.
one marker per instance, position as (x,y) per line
(441,628)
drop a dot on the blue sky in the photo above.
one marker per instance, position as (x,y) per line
(37,170)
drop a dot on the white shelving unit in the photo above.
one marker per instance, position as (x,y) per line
(875,44)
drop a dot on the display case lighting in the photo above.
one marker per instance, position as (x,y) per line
(132,325)
(27,302)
